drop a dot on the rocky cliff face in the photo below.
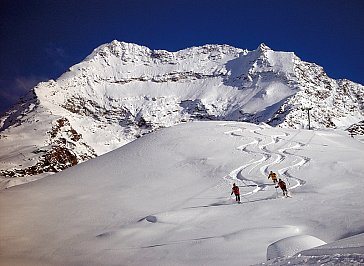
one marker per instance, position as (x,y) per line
(122,91)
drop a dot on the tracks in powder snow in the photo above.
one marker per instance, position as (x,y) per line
(270,152)
(264,152)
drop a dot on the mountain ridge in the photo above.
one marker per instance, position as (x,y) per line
(122,91)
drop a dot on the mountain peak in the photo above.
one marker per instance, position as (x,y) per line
(263,48)
(118,49)
(124,90)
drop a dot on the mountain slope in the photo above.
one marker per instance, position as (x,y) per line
(164,199)
(122,91)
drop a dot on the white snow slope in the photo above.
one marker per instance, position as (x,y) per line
(164,199)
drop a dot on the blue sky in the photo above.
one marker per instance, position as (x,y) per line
(40,40)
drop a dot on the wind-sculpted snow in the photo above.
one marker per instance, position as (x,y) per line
(164,199)
(289,246)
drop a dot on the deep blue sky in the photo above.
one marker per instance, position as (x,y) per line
(41,39)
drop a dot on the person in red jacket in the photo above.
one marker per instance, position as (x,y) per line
(283,186)
(236,191)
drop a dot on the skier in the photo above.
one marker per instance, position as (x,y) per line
(282,185)
(273,176)
(236,191)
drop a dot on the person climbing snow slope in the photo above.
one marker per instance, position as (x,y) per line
(273,176)
(283,186)
(236,191)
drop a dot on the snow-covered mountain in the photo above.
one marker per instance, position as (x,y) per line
(122,91)
(164,199)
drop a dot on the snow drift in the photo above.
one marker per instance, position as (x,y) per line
(289,246)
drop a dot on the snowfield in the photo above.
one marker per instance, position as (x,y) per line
(164,199)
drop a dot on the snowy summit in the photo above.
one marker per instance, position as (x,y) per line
(122,91)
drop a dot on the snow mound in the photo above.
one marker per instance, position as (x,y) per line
(291,245)
(350,245)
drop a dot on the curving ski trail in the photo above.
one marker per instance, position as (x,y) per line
(270,157)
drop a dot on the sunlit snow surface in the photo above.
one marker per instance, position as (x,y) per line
(164,199)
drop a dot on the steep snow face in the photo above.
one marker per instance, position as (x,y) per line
(122,91)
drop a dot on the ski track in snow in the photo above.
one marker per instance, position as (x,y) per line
(269,159)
